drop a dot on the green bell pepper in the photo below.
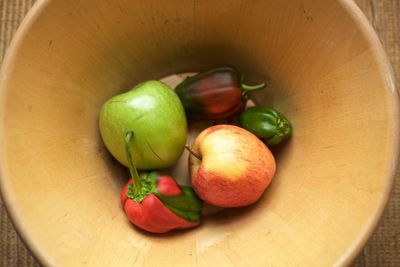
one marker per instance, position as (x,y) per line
(267,124)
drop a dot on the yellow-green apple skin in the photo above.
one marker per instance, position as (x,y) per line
(155,114)
(235,166)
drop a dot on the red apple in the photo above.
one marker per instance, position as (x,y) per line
(230,166)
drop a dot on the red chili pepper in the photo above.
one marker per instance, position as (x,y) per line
(215,94)
(156,203)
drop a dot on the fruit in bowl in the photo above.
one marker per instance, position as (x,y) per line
(215,94)
(230,167)
(154,112)
(329,76)
(156,203)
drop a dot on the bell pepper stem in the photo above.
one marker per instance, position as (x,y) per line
(192,152)
(247,88)
(132,169)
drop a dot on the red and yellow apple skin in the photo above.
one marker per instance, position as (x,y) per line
(235,166)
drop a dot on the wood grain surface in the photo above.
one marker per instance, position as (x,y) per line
(383,249)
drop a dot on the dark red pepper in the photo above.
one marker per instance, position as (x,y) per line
(215,94)
(156,203)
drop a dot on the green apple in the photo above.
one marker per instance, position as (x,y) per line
(155,114)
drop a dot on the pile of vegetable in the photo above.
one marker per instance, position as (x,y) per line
(230,166)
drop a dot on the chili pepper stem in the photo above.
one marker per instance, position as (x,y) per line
(247,88)
(192,152)
(132,169)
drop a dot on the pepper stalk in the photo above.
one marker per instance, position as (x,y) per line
(132,168)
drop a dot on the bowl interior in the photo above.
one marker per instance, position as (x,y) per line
(325,72)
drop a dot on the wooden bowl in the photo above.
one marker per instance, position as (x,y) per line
(326,71)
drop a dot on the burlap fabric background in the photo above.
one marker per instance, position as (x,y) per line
(383,249)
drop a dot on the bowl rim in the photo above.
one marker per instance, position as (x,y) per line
(385,69)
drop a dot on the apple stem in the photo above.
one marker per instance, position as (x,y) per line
(192,152)
(132,169)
